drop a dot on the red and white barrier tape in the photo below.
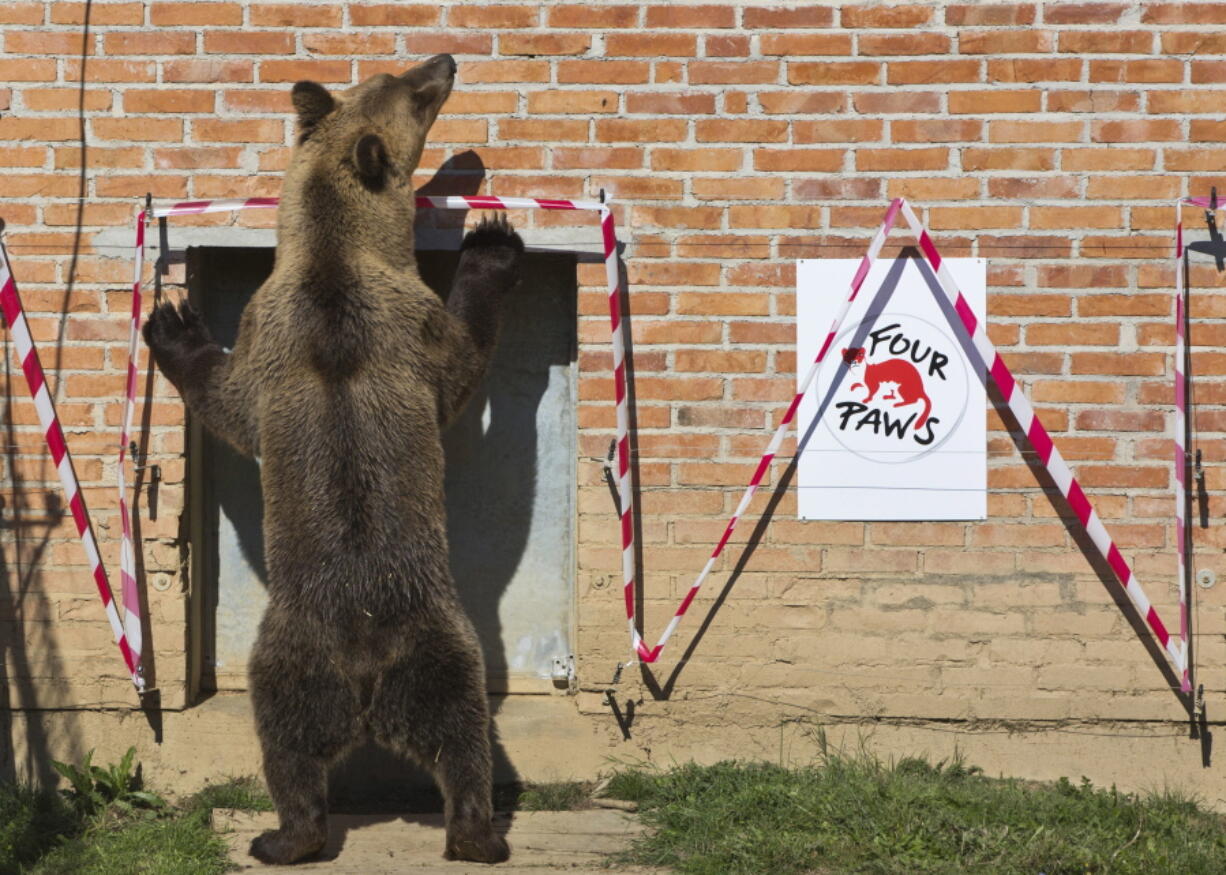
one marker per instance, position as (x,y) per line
(1042,444)
(1183,534)
(14,315)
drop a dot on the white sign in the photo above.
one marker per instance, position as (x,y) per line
(903,430)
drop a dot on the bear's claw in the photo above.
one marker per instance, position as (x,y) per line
(493,231)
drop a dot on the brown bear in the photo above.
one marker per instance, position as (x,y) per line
(346,370)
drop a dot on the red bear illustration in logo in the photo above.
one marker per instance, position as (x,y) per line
(900,372)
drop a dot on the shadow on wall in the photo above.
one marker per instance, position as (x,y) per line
(29,653)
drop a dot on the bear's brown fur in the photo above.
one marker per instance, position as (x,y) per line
(345,371)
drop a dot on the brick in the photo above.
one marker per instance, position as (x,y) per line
(166,42)
(801,160)
(911,43)
(708,304)
(140,129)
(800,44)
(1174,102)
(989,14)
(837,131)
(1135,364)
(733,72)
(1083,13)
(897,101)
(70,157)
(834,73)
(1092,101)
(801,102)
(1115,42)
(898,16)
(545,44)
(1034,70)
(238,130)
(237,42)
(99,13)
(701,160)
(657,103)
(1003,42)
(295,15)
(1146,70)
(936,130)
(1008,159)
(39,129)
(955,218)
(22,13)
(500,16)
(597,72)
(1199,42)
(774,18)
(929,72)
(691,16)
(169,100)
(1078,334)
(38,185)
(775,216)
(293,71)
(737,189)
(208,70)
(740,131)
(195,14)
(726,46)
(1030,131)
(1044,217)
(634,131)
(63,99)
(42,42)
(890,160)
(584,15)
(1135,131)
(106,70)
(1198,14)
(349,43)
(598,157)
(651,45)
(997,100)
(1083,159)
(27,70)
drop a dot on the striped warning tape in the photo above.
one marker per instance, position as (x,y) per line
(14,316)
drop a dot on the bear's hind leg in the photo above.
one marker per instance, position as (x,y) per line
(307,716)
(431,706)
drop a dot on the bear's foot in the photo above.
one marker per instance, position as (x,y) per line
(476,844)
(283,846)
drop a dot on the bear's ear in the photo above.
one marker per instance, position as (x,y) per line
(370,158)
(312,102)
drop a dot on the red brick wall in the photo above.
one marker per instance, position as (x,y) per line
(1050,138)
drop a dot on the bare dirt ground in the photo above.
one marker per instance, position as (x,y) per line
(366,844)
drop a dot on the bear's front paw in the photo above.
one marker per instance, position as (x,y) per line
(172,330)
(493,232)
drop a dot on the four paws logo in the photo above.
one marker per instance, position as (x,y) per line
(904,391)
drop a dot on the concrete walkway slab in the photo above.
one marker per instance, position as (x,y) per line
(373,844)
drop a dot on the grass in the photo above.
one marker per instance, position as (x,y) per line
(556,796)
(42,834)
(859,814)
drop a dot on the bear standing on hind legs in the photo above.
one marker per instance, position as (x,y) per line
(345,372)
